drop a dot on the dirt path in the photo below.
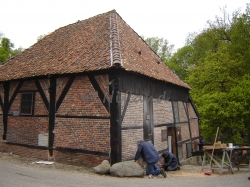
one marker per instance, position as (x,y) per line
(185,171)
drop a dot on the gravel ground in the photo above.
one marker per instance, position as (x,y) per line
(188,175)
(185,171)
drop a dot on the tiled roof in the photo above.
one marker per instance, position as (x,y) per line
(93,44)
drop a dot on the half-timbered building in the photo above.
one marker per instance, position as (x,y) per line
(88,91)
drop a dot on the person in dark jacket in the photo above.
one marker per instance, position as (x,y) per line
(201,143)
(149,154)
(170,161)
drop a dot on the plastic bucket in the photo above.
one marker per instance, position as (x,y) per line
(230,145)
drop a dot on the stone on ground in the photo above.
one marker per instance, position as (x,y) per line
(103,168)
(127,169)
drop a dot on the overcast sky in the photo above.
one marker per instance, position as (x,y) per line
(23,21)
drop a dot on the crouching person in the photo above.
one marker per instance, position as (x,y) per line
(149,154)
(170,162)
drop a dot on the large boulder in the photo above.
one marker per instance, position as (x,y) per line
(127,169)
(103,168)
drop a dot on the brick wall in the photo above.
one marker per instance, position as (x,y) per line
(24,151)
(185,134)
(191,111)
(129,140)
(158,143)
(77,133)
(103,81)
(182,112)
(80,133)
(81,99)
(134,112)
(85,133)
(162,114)
(132,118)
(88,134)
(78,158)
(194,125)
(25,129)
(45,84)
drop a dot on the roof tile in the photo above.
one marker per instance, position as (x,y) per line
(93,44)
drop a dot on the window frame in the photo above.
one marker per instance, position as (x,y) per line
(30,105)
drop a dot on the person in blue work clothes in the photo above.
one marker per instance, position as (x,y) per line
(201,143)
(170,162)
(149,154)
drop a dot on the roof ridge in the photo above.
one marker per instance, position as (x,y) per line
(115,54)
(78,21)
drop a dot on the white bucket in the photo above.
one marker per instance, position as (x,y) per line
(230,145)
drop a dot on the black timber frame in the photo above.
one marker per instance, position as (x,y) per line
(125,107)
(65,91)
(7,103)
(123,82)
(189,128)
(52,113)
(174,126)
(115,117)
(5,108)
(99,91)
(141,85)
(132,83)
(40,90)
(1,103)
(52,106)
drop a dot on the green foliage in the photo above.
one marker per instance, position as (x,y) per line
(219,74)
(181,61)
(7,49)
(161,47)
(177,62)
(42,36)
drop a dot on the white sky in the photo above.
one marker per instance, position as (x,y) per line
(23,21)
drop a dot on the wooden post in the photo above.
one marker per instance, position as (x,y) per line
(5,108)
(115,118)
(52,112)
(213,145)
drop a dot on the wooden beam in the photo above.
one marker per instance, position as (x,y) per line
(1,102)
(125,107)
(186,110)
(99,91)
(115,116)
(176,144)
(6,108)
(65,91)
(15,93)
(42,94)
(52,112)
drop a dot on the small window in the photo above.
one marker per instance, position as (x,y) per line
(176,111)
(26,103)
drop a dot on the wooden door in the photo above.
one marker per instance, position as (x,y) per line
(171,132)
